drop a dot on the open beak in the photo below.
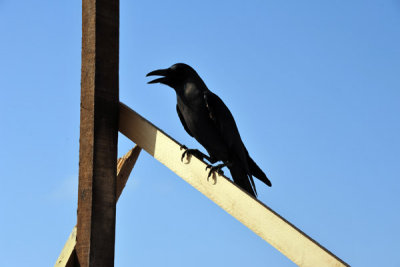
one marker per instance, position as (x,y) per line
(161,72)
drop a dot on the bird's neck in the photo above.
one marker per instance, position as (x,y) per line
(191,94)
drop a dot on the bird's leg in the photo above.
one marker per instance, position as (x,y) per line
(211,159)
(195,152)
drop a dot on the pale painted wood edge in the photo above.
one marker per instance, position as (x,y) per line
(124,168)
(262,220)
(125,165)
(67,251)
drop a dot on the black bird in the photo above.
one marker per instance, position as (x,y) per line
(206,118)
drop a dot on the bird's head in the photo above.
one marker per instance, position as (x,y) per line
(175,76)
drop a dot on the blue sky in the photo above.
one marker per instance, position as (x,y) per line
(313,85)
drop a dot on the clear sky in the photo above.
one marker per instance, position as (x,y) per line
(313,85)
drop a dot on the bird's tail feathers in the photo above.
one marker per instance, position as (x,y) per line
(257,172)
(241,178)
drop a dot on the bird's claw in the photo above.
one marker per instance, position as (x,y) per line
(217,169)
(185,152)
(188,152)
(192,152)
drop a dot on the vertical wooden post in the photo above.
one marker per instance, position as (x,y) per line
(98,133)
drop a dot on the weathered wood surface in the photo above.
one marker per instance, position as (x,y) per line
(125,165)
(98,133)
(262,220)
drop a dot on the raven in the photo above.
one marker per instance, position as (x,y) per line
(206,118)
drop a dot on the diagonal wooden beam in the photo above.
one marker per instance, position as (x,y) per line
(124,168)
(67,256)
(125,165)
(262,220)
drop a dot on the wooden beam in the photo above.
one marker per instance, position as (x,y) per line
(98,133)
(262,220)
(125,165)
(67,256)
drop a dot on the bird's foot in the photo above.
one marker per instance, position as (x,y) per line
(217,169)
(191,152)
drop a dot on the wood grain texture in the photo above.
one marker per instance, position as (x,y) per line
(262,220)
(125,165)
(98,133)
